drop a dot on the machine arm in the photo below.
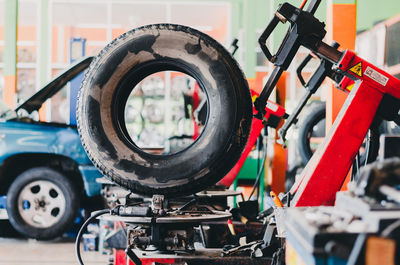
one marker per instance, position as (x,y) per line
(305,30)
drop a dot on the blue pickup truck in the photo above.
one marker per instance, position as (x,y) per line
(44,171)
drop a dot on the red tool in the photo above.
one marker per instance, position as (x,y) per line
(327,169)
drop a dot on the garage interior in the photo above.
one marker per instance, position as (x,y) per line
(200,132)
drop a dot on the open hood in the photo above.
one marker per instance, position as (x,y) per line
(36,101)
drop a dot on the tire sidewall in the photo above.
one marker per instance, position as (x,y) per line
(62,182)
(222,140)
(315,113)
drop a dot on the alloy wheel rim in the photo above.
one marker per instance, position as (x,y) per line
(41,204)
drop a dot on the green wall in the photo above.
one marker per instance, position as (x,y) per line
(256,15)
(371,11)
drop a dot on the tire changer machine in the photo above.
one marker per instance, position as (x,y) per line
(195,229)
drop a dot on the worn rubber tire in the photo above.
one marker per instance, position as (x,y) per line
(63,183)
(130,58)
(316,113)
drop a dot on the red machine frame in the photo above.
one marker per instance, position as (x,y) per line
(327,170)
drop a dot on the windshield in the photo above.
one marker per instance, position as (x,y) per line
(6,112)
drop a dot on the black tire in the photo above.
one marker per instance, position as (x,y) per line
(130,58)
(61,191)
(314,117)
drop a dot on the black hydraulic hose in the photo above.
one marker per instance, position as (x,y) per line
(258,146)
(256,183)
(258,177)
(83,227)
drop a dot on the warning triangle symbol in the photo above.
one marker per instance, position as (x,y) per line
(357,69)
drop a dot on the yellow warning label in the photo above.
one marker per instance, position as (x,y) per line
(357,69)
(350,87)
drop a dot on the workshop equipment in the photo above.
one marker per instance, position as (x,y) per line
(364,219)
(166,225)
(374,92)
(184,229)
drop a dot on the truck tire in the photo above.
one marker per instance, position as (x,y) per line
(42,203)
(123,64)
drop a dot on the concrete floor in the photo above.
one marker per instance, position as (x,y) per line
(27,251)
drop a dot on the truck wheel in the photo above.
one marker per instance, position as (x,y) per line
(42,203)
(115,73)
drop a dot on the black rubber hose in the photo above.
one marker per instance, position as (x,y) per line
(260,169)
(258,177)
(256,183)
(83,227)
